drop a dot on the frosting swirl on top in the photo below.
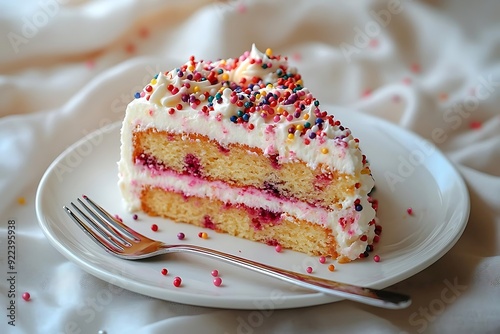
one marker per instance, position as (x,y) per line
(256,100)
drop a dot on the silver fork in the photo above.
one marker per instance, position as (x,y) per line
(123,242)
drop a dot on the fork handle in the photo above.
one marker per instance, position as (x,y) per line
(379,298)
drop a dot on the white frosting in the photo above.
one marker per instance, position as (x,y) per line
(217,100)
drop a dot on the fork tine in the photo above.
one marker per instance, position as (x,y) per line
(115,223)
(102,240)
(103,223)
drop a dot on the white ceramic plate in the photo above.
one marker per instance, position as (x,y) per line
(409,172)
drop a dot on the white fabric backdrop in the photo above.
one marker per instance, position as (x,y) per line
(68,67)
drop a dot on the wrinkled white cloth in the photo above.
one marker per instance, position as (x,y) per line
(68,67)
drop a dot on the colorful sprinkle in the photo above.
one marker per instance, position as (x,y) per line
(130,48)
(409,211)
(474,125)
(177,281)
(297,56)
(376,258)
(215,273)
(217,281)
(21,200)
(331,267)
(181,236)
(364,255)
(278,248)
(241,8)
(90,64)
(154,227)
(203,235)
(164,271)
(135,217)
(144,32)
(309,270)
(322,259)
(415,68)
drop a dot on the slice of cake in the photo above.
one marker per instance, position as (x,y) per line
(240,146)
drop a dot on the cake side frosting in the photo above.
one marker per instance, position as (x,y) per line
(258,101)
